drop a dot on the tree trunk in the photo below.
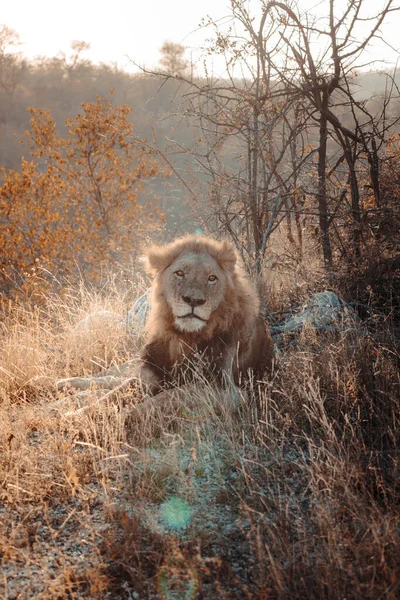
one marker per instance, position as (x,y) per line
(322,200)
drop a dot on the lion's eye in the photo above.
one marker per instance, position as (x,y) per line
(179,273)
(212,278)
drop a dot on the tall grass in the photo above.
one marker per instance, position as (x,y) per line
(295,495)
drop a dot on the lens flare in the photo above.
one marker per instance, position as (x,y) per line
(176,513)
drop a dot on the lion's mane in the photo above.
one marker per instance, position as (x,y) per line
(235,324)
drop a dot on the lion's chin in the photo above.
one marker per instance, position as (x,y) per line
(189,324)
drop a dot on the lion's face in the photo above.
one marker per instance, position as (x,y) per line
(201,301)
(194,286)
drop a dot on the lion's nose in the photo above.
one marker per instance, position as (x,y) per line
(193,301)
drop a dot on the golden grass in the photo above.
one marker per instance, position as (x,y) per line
(295,496)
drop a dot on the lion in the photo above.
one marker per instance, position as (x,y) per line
(204,311)
(204,316)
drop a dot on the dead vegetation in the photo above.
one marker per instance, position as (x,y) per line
(297,496)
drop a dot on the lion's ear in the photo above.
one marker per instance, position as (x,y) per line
(226,256)
(157,259)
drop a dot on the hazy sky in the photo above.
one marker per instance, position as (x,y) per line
(116,29)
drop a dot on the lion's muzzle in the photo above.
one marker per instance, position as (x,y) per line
(193,302)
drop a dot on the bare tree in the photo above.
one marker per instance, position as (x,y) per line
(11,64)
(172,59)
(240,154)
(275,113)
(318,81)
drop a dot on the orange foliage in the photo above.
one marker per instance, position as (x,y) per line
(74,204)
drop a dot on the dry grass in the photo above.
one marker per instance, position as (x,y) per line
(291,276)
(295,497)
